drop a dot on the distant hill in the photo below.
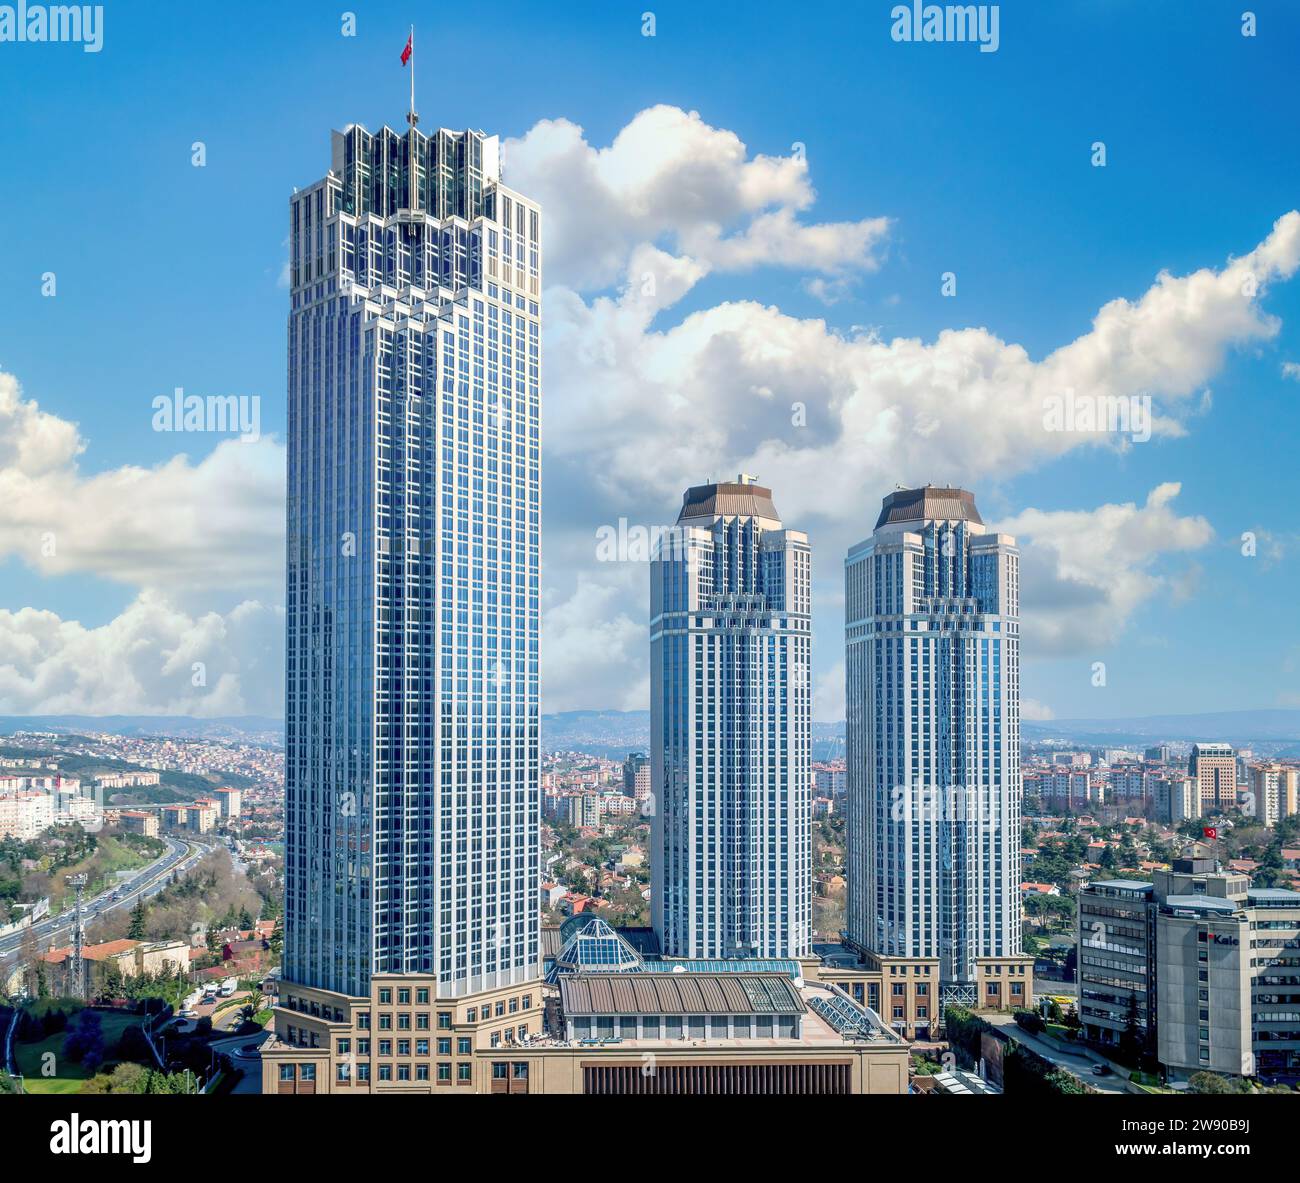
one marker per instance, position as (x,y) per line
(597,733)
(1240,728)
(246,728)
(615,733)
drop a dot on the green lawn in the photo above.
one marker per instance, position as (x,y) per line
(68,1076)
(110,856)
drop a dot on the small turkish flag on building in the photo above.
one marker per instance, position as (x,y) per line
(1211,833)
(406,53)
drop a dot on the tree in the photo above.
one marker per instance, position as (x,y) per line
(1031,1021)
(111,980)
(85,1042)
(125,1078)
(136,930)
(1208,1083)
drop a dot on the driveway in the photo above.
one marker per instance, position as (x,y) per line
(1078,1063)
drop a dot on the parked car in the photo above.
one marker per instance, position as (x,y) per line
(1101,1070)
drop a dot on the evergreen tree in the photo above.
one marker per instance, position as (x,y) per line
(135,931)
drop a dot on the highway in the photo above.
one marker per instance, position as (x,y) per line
(148,881)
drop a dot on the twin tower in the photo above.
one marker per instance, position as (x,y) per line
(932,683)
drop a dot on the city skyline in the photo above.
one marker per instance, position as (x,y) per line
(814,261)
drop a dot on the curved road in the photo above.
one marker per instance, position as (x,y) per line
(181,855)
(1078,1064)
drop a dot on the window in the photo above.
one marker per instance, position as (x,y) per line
(385,1047)
(403,1047)
(403,1022)
(404,998)
(519,1071)
(422,996)
(403,1072)
(363,1072)
(444,1020)
(421,1047)
(344,1073)
(422,1072)
(464,1073)
(286,1071)
(422,1021)
(308,1072)
(385,1072)
(444,1047)
(471,1015)
(385,996)
(444,1073)
(463,1046)
(363,1020)
(385,1022)
(344,1046)
(363,1047)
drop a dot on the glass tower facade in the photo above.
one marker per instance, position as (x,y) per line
(933,735)
(731,717)
(412,809)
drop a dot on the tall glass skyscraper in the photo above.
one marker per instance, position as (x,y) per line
(731,712)
(412,809)
(933,736)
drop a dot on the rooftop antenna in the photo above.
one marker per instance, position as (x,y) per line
(78,968)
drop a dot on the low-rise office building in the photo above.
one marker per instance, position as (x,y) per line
(1114,960)
(1205,967)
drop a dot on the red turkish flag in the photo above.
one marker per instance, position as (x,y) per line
(406,53)
(1211,833)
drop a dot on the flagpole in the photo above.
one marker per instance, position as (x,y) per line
(413,117)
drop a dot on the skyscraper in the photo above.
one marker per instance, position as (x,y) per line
(1214,768)
(731,710)
(412,823)
(933,723)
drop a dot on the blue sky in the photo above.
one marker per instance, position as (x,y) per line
(169,275)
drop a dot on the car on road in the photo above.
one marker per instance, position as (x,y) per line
(1101,1070)
(249,1051)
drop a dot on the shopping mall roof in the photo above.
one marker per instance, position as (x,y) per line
(679,994)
